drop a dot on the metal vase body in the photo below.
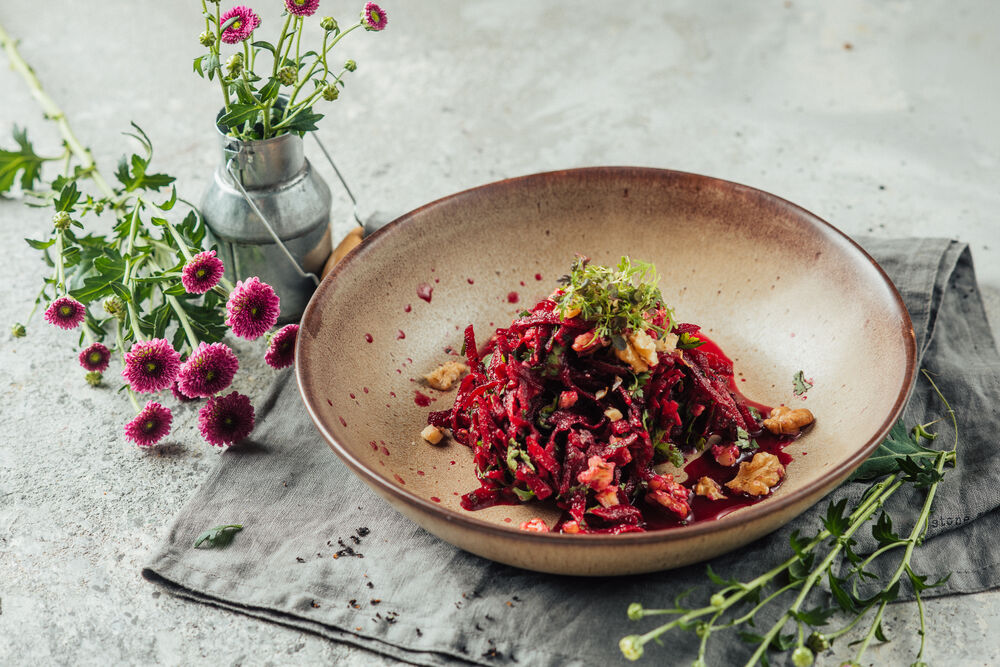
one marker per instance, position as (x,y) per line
(295,202)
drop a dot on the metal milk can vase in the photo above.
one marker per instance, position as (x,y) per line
(268,211)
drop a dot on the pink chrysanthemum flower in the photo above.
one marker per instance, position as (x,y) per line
(246,22)
(374,17)
(226,420)
(208,370)
(281,350)
(302,7)
(65,313)
(151,366)
(95,358)
(252,309)
(202,273)
(179,395)
(150,425)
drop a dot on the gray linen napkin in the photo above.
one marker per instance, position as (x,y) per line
(400,591)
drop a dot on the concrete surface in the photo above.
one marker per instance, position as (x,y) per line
(880,117)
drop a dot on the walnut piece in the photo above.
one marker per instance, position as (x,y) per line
(785,421)
(757,476)
(432,434)
(639,352)
(445,375)
(709,488)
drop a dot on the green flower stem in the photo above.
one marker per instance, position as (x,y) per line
(54,113)
(817,572)
(298,39)
(218,52)
(911,544)
(181,243)
(185,322)
(850,626)
(880,492)
(60,271)
(121,351)
(326,50)
(281,40)
(129,266)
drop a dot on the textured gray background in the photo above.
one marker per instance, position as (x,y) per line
(879,117)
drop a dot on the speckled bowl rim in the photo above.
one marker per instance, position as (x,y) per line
(402,225)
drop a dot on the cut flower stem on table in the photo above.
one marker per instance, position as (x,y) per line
(790,595)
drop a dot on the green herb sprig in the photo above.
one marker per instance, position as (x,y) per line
(218,537)
(617,300)
(814,565)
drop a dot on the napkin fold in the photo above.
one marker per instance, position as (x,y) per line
(323,553)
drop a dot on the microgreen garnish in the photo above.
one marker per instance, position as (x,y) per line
(828,557)
(219,536)
(743,440)
(617,300)
(688,342)
(802,385)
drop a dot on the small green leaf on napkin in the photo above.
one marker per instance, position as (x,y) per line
(894,450)
(219,536)
(801,384)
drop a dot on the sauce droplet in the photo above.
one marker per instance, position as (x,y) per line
(329,402)
(352,395)
(420,399)
(400,335)
(343,422)
(393,394)
(513,297)
(471,281)
(421,473)
(385,450)
(407,308)
(398,478)
(364,389)
(538,276)
(368,338)
(425,291)
(435,499)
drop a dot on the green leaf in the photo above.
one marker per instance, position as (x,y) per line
(219,536)
(237,115)
(817,617)
(716,579)
(197,66)
(40,245)
(835,521)
(23,161)
(879,633)
(303,120)
(244,94)
(269,90)
(69,195)
(844,600)
(886,459)
(261,44)
(169,204)
(801,384)
(688,342)
(882,530)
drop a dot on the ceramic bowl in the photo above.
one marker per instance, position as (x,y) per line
(779,289)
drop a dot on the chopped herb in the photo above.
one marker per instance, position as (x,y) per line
(617,300)
(523,495)
(553,361)
(688,342)
(667,451)
(743,440)
(638,384)
(219,536)
(801,384)
(755,412)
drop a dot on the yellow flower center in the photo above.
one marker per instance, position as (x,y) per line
(65,311)
(374,16)
(236,25)
(151,366)
(95,357)
(148,425)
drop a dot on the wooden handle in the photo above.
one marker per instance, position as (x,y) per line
(350,242)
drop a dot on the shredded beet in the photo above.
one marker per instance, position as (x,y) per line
(550,412)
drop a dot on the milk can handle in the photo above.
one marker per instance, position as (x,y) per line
(267,225)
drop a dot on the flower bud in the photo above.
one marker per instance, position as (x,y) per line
(802,657)
(328,23)
(18,330)
(288,75)
(631,647)
(61,220)
(94,378)
(115,306)
(330,93)
(635,611)
(98,207)
(818,642)
(235,64)
(717,600)
(350,65)
(206,38)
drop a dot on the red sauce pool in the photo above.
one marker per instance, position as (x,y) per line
(513,297)
(425,291)
(423,400)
